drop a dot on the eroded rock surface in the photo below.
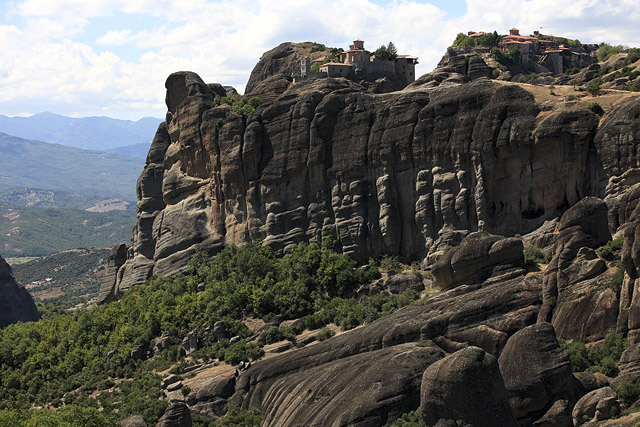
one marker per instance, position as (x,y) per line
(537,372)
(576,299)
(482,315)
(406,172)
(16,303)
(465,389)
(478,257)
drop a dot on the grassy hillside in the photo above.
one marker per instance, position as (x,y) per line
(35,164)
(73,276)
(43,231)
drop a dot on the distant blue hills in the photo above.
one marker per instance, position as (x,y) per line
(131,138)
(45,166)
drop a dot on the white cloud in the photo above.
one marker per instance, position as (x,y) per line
(49,61)
(115,38)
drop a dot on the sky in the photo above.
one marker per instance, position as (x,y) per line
(111,57)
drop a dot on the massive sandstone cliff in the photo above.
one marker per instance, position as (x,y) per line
(455,160)
(406,172)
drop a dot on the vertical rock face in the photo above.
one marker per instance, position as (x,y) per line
(16,304)
(572,297)
(406,172)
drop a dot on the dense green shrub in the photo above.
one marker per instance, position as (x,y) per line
(617,279)
(596,108)
(534,255)
(71,416)
(410,419)
(84,358)
(512,57)
(602,358)
(488,39)
(325,334)
(240,417)
(611,246)
(464,41)
(593,87)
(276,334)
(628,392)
(239,105)
(605,51)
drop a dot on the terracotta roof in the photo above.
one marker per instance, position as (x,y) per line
(319,59)
(336,63)
(477,34)
(552,51)
(519,37)
(514,42)
(353,50)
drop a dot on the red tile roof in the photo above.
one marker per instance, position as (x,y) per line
(336,63)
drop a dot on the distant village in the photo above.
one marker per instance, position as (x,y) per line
(555,54)
(357,63)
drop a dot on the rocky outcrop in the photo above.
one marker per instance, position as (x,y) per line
(210,397)
(279,62)
(478,257)
(116,259)
(317,381)
(133,421)
(467,64)
(177,414)
(537,374)
(406,173)
(446,170)
(574,298)
(16,304)
(318,397)
(597,405)
(465,389)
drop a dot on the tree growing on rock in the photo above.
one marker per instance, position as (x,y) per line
(386,53)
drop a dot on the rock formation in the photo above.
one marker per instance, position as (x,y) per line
(16,304)
(406,173)
(465,389)
(447,170)
(537,373)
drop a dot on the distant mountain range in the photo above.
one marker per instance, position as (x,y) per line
(89,133)
(35,164)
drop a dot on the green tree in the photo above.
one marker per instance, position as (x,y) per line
(488,39)
(464,41)
(605,51)
(594,87)
(386,53)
